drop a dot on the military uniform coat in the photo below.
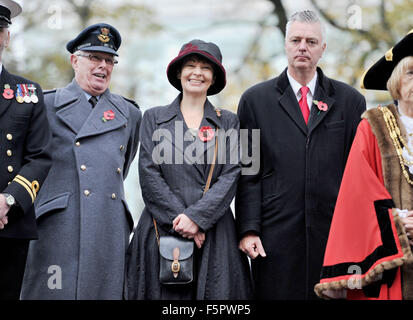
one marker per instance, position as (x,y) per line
(289,203)
(172,188)
(25,155)
(82,216)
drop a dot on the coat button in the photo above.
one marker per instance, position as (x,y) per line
(122,147)
(118,170)
(10,169)
(113,195)
(9,153)
(77,143)
(86,192)
(9,137)
(83,167)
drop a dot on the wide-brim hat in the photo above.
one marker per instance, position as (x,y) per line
(378,74)
(100,37)
(208,50)
(8,10)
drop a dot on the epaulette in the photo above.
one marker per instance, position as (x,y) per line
(131,101)
(49,91)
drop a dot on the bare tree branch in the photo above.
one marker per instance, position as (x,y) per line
(281,14)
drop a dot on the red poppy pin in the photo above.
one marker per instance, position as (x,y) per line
(322,106)
(108,115)
(8,93)
(205,134)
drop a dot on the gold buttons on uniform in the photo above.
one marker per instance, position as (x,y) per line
(86,192)
(113,195)
(10,169)
(9,137)
(83,167)
(122,147)
(9,153)
(77,143)
(118,170)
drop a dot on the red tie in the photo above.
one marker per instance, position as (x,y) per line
(303,103)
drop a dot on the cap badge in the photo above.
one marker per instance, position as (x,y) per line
(389,55)
(104,36)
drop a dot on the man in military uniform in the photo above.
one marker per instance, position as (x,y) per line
(82,215)
(25,142)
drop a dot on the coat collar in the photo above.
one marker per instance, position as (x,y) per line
(173,110)
(171,113)
(324,91)
(73,110)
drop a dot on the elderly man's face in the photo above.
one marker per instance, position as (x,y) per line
(92,74)
(406,86)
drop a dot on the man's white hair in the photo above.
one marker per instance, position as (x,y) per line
(306,16)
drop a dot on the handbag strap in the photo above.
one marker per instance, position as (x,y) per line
(208,183)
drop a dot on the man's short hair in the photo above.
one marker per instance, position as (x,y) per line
(306,16)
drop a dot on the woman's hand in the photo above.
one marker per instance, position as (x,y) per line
(185,226)
(199,239)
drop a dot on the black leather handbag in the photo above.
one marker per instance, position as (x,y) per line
(176,262)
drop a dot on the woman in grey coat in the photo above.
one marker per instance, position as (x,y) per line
(177,146)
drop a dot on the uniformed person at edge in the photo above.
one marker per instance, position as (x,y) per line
(83,219)
(25,159)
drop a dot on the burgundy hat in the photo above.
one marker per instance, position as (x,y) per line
(377,75)
(207,50)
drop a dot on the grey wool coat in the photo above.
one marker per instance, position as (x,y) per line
(82,216)
(221,269)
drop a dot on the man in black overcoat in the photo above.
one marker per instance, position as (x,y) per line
(24,163)
(307,123)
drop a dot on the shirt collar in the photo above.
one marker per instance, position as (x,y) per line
(296,86)
(88,96)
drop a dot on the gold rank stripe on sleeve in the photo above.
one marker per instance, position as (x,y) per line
(31,187)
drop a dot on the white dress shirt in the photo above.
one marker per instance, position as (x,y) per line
(297,88)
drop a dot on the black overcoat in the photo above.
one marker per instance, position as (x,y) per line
(290,201)
(172,188)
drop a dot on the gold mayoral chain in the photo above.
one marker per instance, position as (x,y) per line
(397,137)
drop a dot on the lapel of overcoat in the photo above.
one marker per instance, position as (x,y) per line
(289,103)
(96,125)
(171,119)
(324,92)
(74,111)
(210,119)
(6,78)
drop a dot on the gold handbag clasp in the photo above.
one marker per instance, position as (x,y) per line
(175,266)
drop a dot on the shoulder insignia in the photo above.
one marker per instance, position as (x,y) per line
(49,91)
(131,101)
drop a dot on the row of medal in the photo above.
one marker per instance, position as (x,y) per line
(24,93)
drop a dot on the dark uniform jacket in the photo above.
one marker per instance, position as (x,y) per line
(290,201)
(25,158)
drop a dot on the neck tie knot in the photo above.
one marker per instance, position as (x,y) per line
(304,91)
(93,100)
